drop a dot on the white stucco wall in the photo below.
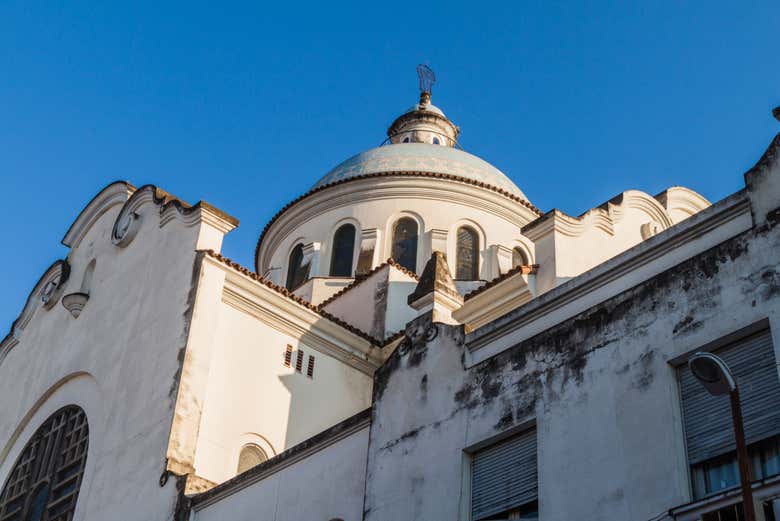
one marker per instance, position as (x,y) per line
(118,361)
(250,391)
(326,485)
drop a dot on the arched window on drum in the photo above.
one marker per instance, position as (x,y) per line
(404,250)
(343,251)
(467,254)
(297,273)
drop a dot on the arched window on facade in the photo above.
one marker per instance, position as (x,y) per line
(297,273)
(519,258)
(467,254)
(343,251)
(404,250)
(44,482)
(251,455)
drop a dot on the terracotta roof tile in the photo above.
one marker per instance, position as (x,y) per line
(523,268)
(295,298)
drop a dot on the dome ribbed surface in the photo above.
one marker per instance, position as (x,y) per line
(420,157)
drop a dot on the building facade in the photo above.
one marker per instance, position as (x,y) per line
(416,341)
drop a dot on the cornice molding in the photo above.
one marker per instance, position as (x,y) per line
(44,295)
(683,199)
(510,292)
(116,193)
(314,327)
(401,185)
(291,456)
(597,285)
(604,217)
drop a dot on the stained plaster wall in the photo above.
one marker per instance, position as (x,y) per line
(119,361)
(250,396)
(599,388)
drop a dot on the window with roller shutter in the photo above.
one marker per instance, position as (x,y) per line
(504,480)
(709,435)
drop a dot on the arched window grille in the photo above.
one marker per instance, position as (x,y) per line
(467,254)
(251,455)
(404,250)
(44,482)
(343,251)
(519,258)
(297,273)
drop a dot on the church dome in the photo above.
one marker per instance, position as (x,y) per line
(420,157)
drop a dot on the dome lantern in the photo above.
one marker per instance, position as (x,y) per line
(424,122)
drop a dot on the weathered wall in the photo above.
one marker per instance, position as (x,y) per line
(327,484)
(119,361)
(599,388)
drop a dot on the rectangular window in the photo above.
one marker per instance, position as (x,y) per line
(709,435)
(288,356)
(310,368)
(504,480)
(299,361)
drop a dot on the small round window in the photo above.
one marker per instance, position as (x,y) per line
(436,141)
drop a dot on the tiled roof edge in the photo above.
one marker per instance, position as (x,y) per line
(450,177)
(523,268)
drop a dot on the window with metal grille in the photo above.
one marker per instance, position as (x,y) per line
(251,455)
(310,368)
(504,480)
(299,361)
(467,254)
(288,356)
(44,482)
(709,435)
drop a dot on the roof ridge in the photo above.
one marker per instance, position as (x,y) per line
(362,278)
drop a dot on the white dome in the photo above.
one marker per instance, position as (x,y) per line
(420,157)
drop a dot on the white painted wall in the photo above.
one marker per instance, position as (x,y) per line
(326,485)
(250,391)
(118,361)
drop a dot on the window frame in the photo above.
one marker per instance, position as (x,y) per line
(475,268)
(290,278)
(394,222)
(334,248)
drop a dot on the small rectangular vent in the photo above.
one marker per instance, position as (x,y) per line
(299,361)
(310,368)
(288,356)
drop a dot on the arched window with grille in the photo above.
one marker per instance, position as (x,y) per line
(467,254)
(519,258)
(297,273)
(343,251)
(251,455)
(44,482)
(404,250)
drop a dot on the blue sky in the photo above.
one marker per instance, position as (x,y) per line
(246,105)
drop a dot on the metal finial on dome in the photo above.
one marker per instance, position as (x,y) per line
(427,79)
